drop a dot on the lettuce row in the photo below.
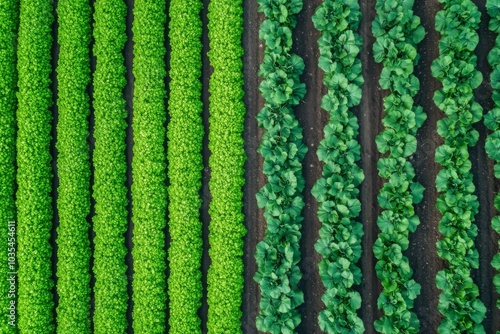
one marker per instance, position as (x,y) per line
(283,150)
(73,201)
(110,168)
(492,121)
(185,137)
(337,190)
(9,16)
(455,67)
(34,173)
(149,194)
(397,32)
(227,159)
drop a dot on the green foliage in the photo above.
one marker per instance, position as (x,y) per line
(227,115)
(110,167)
(278,254)
(185,136)
(149,196)
(492,121)
(338,188)
(73,202)
(9,16)
(397,33)
(455,67)
(34,173)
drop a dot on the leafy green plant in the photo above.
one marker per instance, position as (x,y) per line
(73,201)
(185,136)
(397,31)
(492,121)
(9,19)
(227,115)
(455,67)
(337,190)
(34,172)
(283,150)
(110,168)
(149,195)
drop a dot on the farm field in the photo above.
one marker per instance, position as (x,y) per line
(218,166)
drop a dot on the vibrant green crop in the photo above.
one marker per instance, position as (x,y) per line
(397,31)
(73,168)
(185,163)
(9,16)
(34,172)
(149,196)
(337,190)
(227,115)
(455,67)
(492,121)
(110,168)
(283,150)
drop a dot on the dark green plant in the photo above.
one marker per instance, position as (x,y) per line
(455,67)
(397,31)
(338,189)
(283,150)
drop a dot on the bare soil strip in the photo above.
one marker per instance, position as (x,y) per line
(370,116)
(312,120)
(254,220)
(422,251)
(206,197)
(482,168)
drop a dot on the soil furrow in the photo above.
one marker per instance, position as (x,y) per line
(423,251)
(312,119)
(206,197)
(370,116)
(254,178)
(484,180)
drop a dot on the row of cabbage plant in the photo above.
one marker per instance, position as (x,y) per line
(283,150)
(397,31)
(455,67)
(492,121)
(227,158)
(149,193)
(110,221)
(337,190)
(34,169)
(9,16)
(185,136)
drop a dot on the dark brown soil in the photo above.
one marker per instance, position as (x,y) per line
(423,252)
(312,119)
(369,115)
(254,178)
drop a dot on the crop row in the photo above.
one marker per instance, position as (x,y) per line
(110,168)
(283,150)
(73,201)
(455,67)
(34,176)
(338,188)
(185,137)
(227,115)
(9,12)
(149,194)
(397,37)
(492,121)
